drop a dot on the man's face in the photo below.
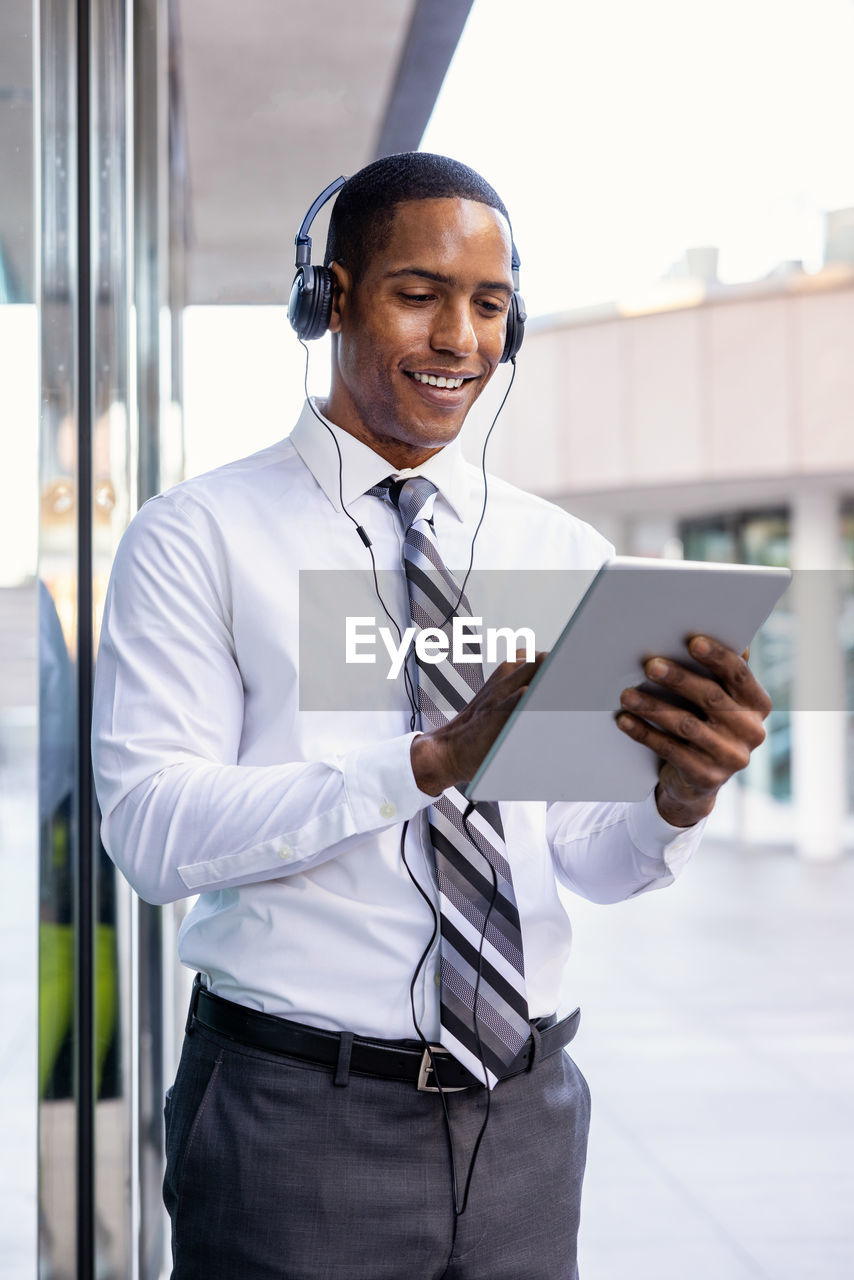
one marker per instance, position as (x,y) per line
(431,304)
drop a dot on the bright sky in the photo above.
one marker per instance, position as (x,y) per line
(619,133)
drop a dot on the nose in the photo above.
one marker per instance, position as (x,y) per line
(453,329)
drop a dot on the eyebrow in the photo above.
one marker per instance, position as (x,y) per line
(499,286)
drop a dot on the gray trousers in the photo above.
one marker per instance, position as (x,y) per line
(273,1171)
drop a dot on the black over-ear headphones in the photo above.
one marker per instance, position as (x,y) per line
(310,305)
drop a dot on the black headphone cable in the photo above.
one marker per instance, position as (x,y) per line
(485,490)
(458,1208)
(407,678)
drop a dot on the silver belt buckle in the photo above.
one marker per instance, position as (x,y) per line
(427,1076)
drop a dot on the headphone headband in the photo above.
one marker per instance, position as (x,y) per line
(302,239)
(310,304)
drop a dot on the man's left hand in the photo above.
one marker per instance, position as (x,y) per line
(701,749)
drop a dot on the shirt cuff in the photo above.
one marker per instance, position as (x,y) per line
(380,785)
(669,848)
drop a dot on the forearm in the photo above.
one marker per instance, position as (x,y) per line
(198,826)
(193,798)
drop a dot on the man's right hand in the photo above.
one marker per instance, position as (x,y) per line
(451,755)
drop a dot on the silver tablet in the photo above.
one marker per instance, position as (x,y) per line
(562,742)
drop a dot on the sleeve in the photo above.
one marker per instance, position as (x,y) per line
(609,852)
(179,814)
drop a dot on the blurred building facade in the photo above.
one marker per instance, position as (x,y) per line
(716,422)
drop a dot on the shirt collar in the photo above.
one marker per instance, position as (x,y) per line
(362,468)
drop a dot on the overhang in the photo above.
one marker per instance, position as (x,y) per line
(275,100)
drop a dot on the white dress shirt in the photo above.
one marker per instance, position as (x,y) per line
(287,823)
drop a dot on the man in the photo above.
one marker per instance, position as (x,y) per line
(351,907)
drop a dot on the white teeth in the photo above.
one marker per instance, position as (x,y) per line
(432,381)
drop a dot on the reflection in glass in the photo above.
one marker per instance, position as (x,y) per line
(110,512)
(19,681)
(58,838)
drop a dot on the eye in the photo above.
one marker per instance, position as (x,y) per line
(490,307)
(417,297)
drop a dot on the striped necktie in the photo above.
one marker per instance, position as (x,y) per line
(471,857)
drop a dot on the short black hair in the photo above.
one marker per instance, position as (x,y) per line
(362,214)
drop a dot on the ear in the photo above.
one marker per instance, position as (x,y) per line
(341,286)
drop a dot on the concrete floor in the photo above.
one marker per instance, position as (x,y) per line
(718,1039)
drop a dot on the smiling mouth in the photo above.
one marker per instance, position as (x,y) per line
(438,380)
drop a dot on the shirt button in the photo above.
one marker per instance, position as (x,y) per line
(387,809)
(437,979)
(285,852)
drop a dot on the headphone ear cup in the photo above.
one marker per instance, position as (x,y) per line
(515,331)
(296,306)
(310,304)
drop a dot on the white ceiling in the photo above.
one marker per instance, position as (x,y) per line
(279,98)
(273,100)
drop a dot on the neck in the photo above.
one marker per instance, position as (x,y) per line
(398,454)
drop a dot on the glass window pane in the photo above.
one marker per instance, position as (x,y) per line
(19,646)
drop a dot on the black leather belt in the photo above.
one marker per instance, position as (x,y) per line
(405,1060)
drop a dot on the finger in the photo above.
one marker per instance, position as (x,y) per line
(513,666)
(720,701)
(509,703)
(706,694)
(731,745)
(696,768)
(733,670)
(742,728)
(539,657)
